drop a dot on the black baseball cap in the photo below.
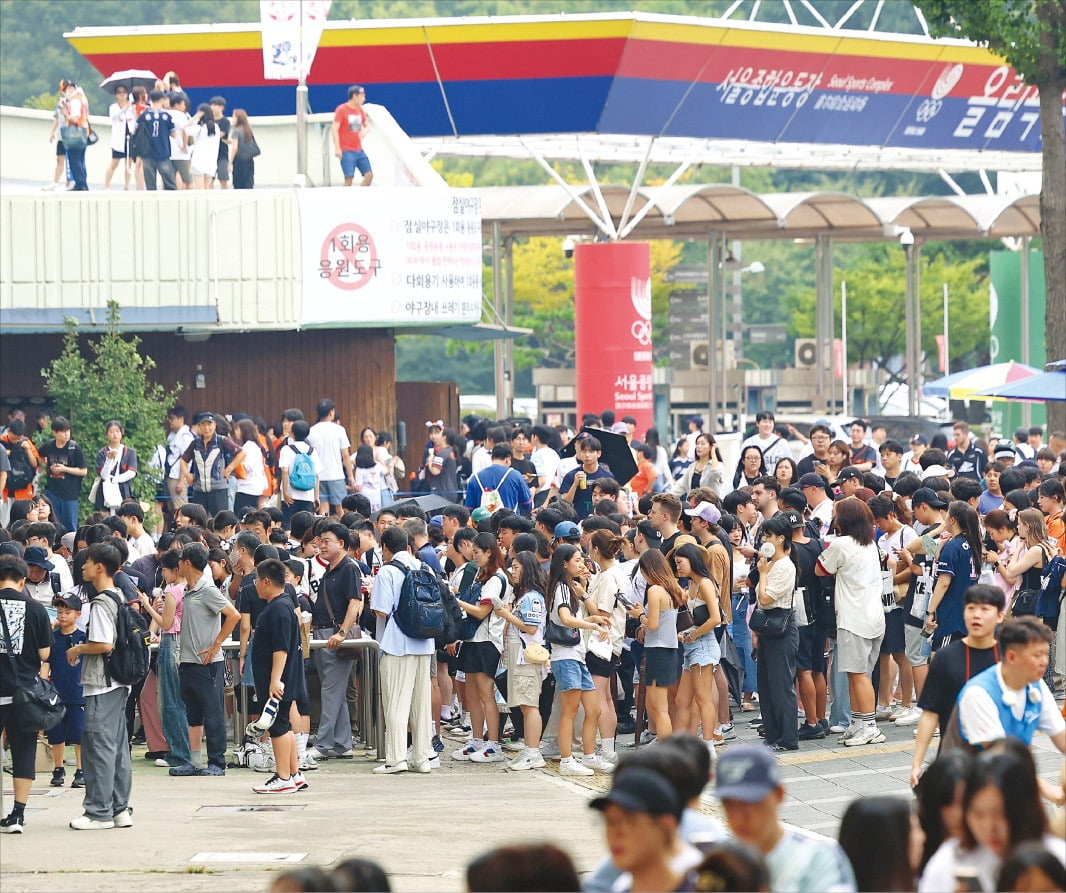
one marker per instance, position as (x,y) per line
(70,600)
(794,518)
(38,557)
(812,479)
(747,772)
(927,496)
(204,417)
(847,474)
(649,533)
(642,790)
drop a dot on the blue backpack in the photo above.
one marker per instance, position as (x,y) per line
(420,612)
(1049,601)
(302,473)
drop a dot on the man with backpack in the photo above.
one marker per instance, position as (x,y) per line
(301,472)
(203,464)
(499,485)
(105,749)
(24,459)
(405,658)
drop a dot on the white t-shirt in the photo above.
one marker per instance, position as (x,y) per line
(204,155)
(940,870)
(566,652)
(120,117)
(139,546)
(370,482)
(774,448)
(254,481)
(823,514)
(491,629)
(101,629)
(858,586)
(178,152)
(285,459)
(480,459)
(565,467)
(546,461)
(781,584)
(603,588)
(328,439)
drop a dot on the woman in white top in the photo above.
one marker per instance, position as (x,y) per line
(568,606)
(776,660)
(1001,808)
(479,658)
(853,559)
(249,467)
(208,138)
(116,464)
(121,114)
(706,471)
(393,465)
(602,656)
(369,475)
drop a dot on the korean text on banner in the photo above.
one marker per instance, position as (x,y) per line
(291,32)
(390,256)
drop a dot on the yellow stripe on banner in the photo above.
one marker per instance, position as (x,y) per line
(477,32)
(167,43)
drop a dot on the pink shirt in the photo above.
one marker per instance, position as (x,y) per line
(178,591)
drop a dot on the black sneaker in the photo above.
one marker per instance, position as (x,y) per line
(811,733)
(79,779)
(59,777)
(438,745)
(13,824)
(824,723)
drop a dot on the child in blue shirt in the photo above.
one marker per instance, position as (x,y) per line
(67,681)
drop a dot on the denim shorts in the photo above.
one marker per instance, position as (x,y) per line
(332,492)
(352,160)
(702,652)
(572,674)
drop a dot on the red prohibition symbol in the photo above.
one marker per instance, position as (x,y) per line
(350,256)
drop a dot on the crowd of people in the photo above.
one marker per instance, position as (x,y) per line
(156,133)
(853,585)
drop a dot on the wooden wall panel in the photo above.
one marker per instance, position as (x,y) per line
(419,401)
(260,373)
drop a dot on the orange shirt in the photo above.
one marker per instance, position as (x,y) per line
(643,481)
(27,491)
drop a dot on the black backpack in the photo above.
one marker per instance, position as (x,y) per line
(420,612)
(127,664)
(141,140)
(22,472)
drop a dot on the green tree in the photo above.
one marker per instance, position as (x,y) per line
(1031,36)
(104,379)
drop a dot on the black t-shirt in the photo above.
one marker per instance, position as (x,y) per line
(68,486)
(525,468)
(340,585)
(278,630)
(948,674)
(30,630)
(223,149)
(807,463)
(668,542)
(806,556)
(248,600)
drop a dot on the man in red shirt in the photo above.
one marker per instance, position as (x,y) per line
(350,125)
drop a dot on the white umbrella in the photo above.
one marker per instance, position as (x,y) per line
(129,78)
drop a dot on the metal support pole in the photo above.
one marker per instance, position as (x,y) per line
(301,128)
(498,345)
(508,317)
(823,323)
(1027,411)
(947,343)
(724,377)
(714,258)
(912,349)
(916,293)
(844,346)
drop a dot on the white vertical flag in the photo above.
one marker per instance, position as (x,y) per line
(291,32)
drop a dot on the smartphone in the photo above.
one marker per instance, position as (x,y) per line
(967,878)
(624,601)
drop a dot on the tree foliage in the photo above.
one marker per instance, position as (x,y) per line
(107,378)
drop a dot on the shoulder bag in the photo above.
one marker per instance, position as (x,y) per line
(73,136)
(342,653)
(1025,600)
(36,706)
(771,623)
(560,634)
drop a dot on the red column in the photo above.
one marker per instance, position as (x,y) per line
(612,338)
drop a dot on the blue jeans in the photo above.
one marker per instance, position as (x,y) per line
(76,160)
(203,706)
(171,707)
(742,639)
(66,510)
(840,712)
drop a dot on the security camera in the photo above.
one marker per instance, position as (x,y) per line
(568,247)
(906,238)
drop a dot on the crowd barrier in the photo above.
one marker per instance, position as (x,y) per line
(371,714)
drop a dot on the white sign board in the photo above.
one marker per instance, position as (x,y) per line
(390,256)
(291,32)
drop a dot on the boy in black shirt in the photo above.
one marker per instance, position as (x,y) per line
(955,664)
(278,668)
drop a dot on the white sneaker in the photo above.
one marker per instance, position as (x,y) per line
(394,769)
(530,758)
(276,785)
(882,713)
(611,758)
(490,753)
(300,782)
(265,764)
(549,749)
(123,819)
(469,748)
(896,712)
(909,717)
(570,766)
(849,733)
(308,762)
(866,735)
(48,187)
(84,823)
(429,765)
(597,764)
(514,746)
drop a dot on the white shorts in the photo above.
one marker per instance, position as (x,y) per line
(857,654)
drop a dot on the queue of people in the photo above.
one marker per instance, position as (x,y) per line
(582,614)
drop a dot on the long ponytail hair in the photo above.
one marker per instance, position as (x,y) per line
(557,576)
(965,515)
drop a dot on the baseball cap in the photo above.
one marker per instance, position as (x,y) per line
(847,474)
(928,496)
(203,417)
(746,772)
(812,479)
(920,439)
(707,511)
(629,420)
(620,428)
(642,790)
(934,471)
(696,419)
(794,518)
(650,534)
(566,530)
(70,600)
(68,540)
(437,521)
(37,556)
(1005,451)
(480,514)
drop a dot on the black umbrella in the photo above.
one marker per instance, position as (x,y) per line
(129,78)
(430,503)
(733,667)
(616,455)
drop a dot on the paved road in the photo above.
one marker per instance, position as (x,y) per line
(423,829)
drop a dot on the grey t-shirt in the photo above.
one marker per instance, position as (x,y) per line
(201,621)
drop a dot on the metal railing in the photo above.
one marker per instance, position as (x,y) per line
(371,713)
